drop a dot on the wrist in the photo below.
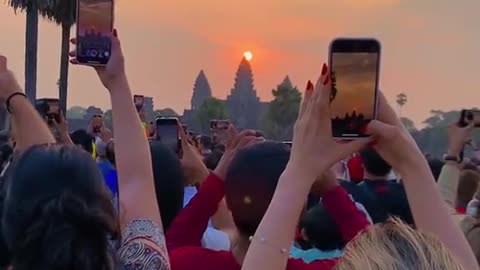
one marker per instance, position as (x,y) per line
(454,151)
(118,82)
(304,174)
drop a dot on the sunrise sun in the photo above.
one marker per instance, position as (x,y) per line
(248,55)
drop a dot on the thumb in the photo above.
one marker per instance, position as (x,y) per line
(378,129)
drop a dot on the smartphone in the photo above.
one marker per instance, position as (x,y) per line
(97,123)
(139,101)
(94,31)
(49,108)
(167,133)
(219,124)
(355,67)
(469,116)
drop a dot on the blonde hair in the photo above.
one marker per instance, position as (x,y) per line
(396,246)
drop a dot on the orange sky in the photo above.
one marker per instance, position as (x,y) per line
(430,47)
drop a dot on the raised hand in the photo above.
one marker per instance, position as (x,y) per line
(114,71)
(192,163)
(313,148)
(8,83)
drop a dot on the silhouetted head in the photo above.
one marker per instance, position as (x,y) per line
(319,229)
(468,184)
(58,212)
(373,163)
(251,181)
(436,166)
(211,161)
(83,139)
(169,182)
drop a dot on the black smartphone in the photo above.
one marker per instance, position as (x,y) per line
(469,116)
(94,31)
(49,108)
(354,70)
(167,133)
(139,101)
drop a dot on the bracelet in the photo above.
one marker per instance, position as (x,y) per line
(9,99)
(263,241)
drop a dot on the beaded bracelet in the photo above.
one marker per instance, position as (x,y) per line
(9,99)
(263,241)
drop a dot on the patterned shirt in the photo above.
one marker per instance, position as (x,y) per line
(143,247)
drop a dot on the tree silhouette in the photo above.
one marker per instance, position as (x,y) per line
(401,101)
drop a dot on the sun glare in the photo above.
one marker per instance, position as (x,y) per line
(248,55)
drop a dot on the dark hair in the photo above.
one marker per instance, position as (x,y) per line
(251,181)
(373,163)
(82,138)
(205,141)
(110,152)
(436,166)
(211,161)
(58,212)
(169,182)
(321,229)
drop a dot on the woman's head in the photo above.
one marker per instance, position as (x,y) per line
(169,182)
(58,212)
(251,181)
(396,246)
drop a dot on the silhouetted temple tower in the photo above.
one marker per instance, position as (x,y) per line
(201,91)
(243,105)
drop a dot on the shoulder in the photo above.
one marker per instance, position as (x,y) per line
(143,246)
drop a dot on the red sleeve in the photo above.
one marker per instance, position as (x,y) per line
(348,218)
(298,264)
(188,227)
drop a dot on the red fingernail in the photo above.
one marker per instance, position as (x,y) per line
(327,79)
(309,86)
(115,34)
(324,69)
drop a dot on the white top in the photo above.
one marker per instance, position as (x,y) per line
(212,238)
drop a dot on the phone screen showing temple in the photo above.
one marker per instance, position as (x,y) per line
(353,94)
(167,134)
(94,29)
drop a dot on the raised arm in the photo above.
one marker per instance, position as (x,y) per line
(428,208)
(25,118)
(313,152)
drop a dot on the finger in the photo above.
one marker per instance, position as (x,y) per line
(245,141)
(74,61)
(324,90)
(72,54)
(183,136)
(231,135)
(354,146)
(379,129)
(306,98)
(73,41)
(3,63)
(386,113)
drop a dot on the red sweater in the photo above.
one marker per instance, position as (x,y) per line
(185,234)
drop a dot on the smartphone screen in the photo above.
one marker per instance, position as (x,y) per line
(354,65)
(167,133)
(94,30)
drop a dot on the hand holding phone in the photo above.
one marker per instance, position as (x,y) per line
(94,28)
(355,67)
(49,109)
(468,117)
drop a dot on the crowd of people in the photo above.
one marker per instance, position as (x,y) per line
(103,200)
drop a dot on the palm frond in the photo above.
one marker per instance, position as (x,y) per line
(58,11)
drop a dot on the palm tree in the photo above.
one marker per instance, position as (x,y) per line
(401,101)
(64,13)
(31,39)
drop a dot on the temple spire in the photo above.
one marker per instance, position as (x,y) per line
(201,91)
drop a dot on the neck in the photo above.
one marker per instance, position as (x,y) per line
(239,248)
